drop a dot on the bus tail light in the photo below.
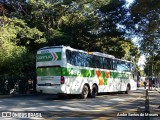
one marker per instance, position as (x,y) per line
(62,80)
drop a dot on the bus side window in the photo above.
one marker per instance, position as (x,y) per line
(90,60)
(86,61)
(71,57)
(107,63)
(75,58)
(81,59)
(68,56)
(114,63)
(98,62)
(119,67)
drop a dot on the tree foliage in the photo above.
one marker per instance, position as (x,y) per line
(147,19)
(15,42)
(153,66)
(91,25)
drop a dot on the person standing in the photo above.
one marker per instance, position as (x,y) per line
(150,84)
(145,84)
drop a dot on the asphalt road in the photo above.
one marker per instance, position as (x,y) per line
(106,106)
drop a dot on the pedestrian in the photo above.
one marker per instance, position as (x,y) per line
(145,84)
(150,84)
(30,87)
(5,87)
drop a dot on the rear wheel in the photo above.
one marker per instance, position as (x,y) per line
(85,92)
(94,91)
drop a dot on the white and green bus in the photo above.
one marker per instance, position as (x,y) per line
(65,70)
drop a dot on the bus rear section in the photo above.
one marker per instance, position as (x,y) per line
(49,65)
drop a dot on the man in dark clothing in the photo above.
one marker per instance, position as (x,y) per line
(150,84)
(145,84)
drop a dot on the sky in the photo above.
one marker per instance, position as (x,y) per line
(141,62)
(129,2)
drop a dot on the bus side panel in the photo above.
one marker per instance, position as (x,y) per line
(74,84)
(76,77)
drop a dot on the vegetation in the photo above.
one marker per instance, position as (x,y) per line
(147,20)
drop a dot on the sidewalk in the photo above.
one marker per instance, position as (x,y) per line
(5,96)
(20,95)
(154,103)
(154,99)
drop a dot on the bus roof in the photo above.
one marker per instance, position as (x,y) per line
(103,54)
(93,53)
(50,47)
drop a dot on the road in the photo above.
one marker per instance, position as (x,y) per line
(107,106)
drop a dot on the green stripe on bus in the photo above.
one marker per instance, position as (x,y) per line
(49,71)
(59,54)
(114,74)
(104,77)
(57,71)
(105,81)
(119,75)
(77,72)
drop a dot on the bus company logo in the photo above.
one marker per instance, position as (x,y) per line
(49,57)
(6,114)
(54,56)
(44,57)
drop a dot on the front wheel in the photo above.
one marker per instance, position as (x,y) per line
(85,92)
(127,90)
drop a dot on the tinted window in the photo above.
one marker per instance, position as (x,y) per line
(107,63)
(123,66)
(114,67)
(98,62)
(87,60)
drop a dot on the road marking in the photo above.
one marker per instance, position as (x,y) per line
(118,99)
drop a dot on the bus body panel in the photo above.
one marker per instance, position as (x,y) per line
(52,65)
(49,63)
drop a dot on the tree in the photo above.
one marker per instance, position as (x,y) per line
(91,25)
(15,42)
(152,67)
(147,20)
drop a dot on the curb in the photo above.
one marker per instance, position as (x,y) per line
(20,95)
(5,96)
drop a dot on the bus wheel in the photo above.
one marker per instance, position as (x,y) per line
(127,90)
(85,92)
(94,91)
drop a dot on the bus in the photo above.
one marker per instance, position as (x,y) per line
(63,70)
